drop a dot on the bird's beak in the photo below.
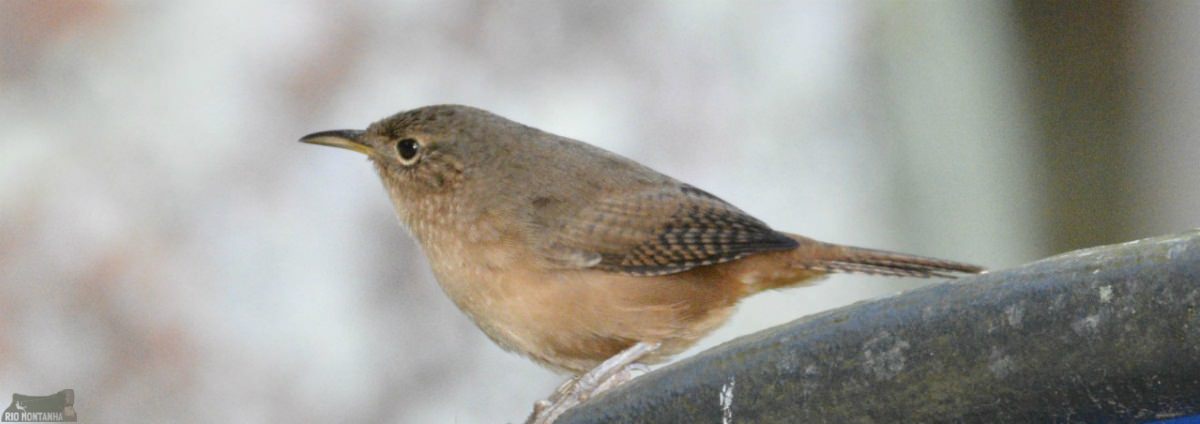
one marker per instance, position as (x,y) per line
(346,139)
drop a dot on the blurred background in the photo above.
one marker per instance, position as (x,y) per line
(169,251)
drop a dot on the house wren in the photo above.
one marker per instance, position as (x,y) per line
(578,258)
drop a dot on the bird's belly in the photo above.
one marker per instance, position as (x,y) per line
(571,320)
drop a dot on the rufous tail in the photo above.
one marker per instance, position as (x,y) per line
(826,257)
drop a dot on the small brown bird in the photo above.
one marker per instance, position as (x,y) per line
(578,258)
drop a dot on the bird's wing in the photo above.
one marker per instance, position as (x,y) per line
(656,232)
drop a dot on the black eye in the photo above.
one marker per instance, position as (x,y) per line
(408,149)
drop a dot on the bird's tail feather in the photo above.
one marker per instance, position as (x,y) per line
(825,257)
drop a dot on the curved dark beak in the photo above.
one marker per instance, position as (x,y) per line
(346,139)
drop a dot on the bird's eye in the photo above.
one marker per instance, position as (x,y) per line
(408,150)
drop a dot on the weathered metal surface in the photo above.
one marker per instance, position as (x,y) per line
(1098,335)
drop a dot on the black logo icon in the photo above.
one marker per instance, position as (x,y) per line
(58,407)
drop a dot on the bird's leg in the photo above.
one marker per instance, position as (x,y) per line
(621,377)
(611,373)
(588,384)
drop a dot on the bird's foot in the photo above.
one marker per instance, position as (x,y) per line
(612,373)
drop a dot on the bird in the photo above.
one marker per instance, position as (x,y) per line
(582,260)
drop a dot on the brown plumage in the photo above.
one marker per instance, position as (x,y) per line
(567,253)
